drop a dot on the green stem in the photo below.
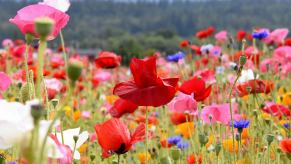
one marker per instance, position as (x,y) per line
(230,108)
(146,142)
(46,137)
(41,53)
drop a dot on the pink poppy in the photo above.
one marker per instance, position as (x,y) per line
(277,36)
(57,61)
(218,113)
(5,82)
(183,103)
(54,84)
(221,36)
(7,43)
(86,114)
(102,76)
(283,53)
(26,16)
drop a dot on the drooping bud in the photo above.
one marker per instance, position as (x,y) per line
(37,110)
(44,26)
(175,154)
(74,70)
(270,138)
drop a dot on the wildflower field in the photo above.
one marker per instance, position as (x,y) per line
(225,97)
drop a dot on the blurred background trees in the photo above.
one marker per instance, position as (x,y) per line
(142,27)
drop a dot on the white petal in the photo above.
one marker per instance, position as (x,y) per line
(82,138)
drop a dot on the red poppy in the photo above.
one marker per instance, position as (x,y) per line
(197,86)
(146,88)
(240,35)
(196,49)
(254,86)
(178,118)
(114,136)
(255,58)
(285,145)
(142,119)
(60,75)
(205,32)
(164,143)
(288,41)
(277,110)
(107,60)
(192,159)
(184,43)
(122,107)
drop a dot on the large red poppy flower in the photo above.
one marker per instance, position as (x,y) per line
(114,136)
(107,60)
(277,110)
(254,86)
(146,88)
(285,145)
(197,86)
(122,107)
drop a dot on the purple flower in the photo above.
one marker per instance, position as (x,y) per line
(241,124)
(175,57)
(183,144)
(261,34)
(174,140)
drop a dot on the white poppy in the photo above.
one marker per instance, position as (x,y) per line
(62,5)
(15,122)
(246,75)
(69,139)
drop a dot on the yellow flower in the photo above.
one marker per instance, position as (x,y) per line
(185,129)
(287,99)
(266,116)
(76,115)
(111,99)
(282,90)
(143,157)
(228,145)
(83,148)
(68,110)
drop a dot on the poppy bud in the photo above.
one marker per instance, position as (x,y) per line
(175,153)
(270,138)
(44,26)
(92,157)
(55,102)
(242,60)
(203,139)
(36,110)
(165,160)
(75,138)
(74,70)
(24,92)
(29,38)
(217,148)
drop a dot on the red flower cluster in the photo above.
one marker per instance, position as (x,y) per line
(254,86)
(205,32)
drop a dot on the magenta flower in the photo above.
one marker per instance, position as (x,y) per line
(183,103)
(26,16)
(218,113)
(5,82)
(221,36)
(277,36)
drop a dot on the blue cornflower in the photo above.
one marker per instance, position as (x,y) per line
(183,144)
(261,34)
(240,125)
(287,125)
(175,57)
(174,140)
